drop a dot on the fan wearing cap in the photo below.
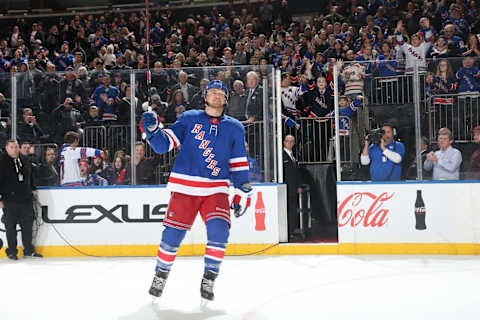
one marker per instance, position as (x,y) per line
(415,52)
(474,165)
(212,154)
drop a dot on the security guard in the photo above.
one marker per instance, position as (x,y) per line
(16,198)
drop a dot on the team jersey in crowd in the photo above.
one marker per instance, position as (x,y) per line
(109,105)
(346,114)
(387,68)
(212,153)
(94,180)
(63,61)
(69,169)
(467,79)
(415,55)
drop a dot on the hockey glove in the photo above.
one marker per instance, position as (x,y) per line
(150,123)
(242,199)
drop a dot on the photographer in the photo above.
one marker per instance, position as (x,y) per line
(384,155)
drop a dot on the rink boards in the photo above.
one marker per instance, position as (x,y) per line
(373,218)
(380,217)
(128,221)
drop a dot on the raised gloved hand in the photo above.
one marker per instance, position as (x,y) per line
(242,199)
(150,123)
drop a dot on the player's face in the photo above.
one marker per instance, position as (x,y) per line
(216,98)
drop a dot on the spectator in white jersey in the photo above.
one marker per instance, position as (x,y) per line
(70,154)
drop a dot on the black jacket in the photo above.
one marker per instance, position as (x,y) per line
(48,175)
(146,170)
(10,188)
(255,104)
(292,175)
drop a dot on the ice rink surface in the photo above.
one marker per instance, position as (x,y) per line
(260,287)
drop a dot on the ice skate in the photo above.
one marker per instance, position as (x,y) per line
(206,287)
(158,284)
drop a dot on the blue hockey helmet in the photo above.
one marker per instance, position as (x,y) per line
(216,84)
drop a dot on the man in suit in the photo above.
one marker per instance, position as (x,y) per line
(254,94)
(17,189)
(187,89)
(292,176)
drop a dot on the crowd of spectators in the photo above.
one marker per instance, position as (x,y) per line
(75,73)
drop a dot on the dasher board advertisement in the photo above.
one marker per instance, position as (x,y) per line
(106,216)
(408,212)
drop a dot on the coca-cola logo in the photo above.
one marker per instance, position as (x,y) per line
(364,209)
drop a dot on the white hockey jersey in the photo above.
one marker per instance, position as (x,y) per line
(415,55)
(69,169)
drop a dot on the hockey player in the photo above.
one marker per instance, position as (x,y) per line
(69,155)
(212,154)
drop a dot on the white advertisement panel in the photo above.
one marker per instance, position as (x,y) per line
(134,216)
(408,212)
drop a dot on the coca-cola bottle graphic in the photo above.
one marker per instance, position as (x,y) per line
(420,212)
(259,213)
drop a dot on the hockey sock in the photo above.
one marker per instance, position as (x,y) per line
(217,234)
(167,251)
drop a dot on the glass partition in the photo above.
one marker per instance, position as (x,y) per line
(451,104)
(174,91)
(379,103)
(432,110)
(103,108)
(5,108)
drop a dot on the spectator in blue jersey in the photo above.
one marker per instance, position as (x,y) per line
(320,99)
(453,16)
(467,75)
(253,169)
(18,59)
(64,59)
(90,179)
(106,98)
(385,157)
(347,110)
(451,37)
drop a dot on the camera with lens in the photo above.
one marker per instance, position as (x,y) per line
(375,136)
